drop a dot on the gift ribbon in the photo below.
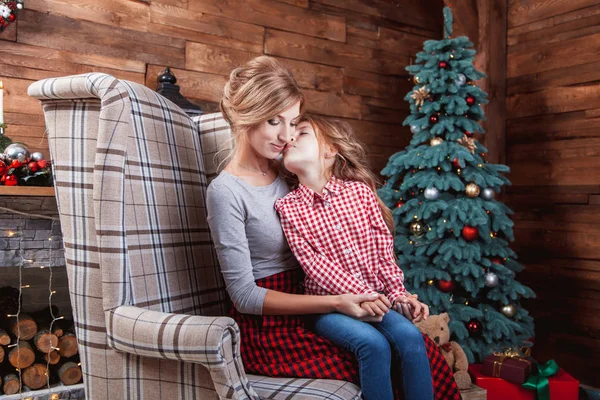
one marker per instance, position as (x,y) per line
(539,382)
(520,354)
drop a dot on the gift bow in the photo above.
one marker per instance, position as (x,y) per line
(538,380)
(520,354)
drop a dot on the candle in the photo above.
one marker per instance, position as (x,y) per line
(1,103)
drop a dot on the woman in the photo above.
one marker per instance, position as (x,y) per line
(262,102)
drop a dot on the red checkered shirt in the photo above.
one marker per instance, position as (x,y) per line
(341,240)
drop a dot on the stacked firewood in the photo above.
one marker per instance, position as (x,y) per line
(43,350)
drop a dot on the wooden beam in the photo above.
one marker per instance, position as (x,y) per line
(485,23)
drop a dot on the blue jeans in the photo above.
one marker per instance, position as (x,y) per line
(372,343)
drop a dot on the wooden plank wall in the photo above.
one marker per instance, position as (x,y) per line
(553,149)
(348,55)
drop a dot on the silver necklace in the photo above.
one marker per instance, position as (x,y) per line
(251,170)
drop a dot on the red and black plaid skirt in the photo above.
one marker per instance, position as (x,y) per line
(281,346)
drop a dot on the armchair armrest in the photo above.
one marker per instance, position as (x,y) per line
(213,342)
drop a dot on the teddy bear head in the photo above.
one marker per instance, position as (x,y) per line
(436,327)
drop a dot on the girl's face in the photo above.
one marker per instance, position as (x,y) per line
(269,138)
(304,152)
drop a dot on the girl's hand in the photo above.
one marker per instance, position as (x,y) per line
(378,307)
(412,308)
(349,304)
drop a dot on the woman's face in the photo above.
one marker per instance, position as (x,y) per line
(269,138)
(304,151)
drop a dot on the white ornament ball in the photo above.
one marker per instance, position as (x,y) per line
(20,6)
(37,156)
(436,141)
(491,279)
(461,79)
(431,193)
(488,193)
(415,129)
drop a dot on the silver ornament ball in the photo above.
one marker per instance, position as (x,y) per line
(491,279)
(488,193)
(461,79)
(15,149)
(431,193)
(415,129)
(37,156)
(509,310)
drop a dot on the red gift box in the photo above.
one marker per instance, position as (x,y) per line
(562,386)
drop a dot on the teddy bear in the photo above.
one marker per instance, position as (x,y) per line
(436,327)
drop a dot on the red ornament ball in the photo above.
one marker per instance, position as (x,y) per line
(11,19)
(469,134)
(443,64)
(11,180)
(456,163)
(474,327)
(42,164)
(433,119)
(399,204)
(496,260)
(470,100)
(2,168)
(16,164)
(470,233)
(446,286)
(33,166)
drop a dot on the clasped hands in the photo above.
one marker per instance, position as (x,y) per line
(408,305)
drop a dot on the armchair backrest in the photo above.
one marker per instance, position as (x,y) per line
(131,186)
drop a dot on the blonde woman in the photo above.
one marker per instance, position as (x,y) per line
(263,104)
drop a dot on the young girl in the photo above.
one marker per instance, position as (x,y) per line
(339,231)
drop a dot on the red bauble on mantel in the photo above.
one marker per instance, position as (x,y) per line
(446,286)
(470,100)
(470,233)
(10,180)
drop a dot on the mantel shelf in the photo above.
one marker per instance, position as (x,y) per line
(27,191)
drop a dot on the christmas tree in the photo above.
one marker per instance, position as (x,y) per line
(452,235)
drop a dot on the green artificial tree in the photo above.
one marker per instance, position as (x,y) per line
(452,235)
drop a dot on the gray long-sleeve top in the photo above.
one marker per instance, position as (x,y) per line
(248,237)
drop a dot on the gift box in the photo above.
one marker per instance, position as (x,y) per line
(562,386)
(511,368)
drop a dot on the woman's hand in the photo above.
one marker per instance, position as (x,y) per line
(412,308)
(350,305)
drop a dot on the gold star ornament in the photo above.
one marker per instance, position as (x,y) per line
(420,95)
(469,143)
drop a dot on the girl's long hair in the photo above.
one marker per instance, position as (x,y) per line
(351,160)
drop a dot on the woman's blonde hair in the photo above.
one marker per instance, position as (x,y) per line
(351,158)
(256,92)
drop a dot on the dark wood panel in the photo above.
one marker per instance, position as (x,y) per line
(553,55)
(554,100)
(574,75)
(213,59)
(523,12)
(276,15)
(299,47)
(409,12)
(63,33)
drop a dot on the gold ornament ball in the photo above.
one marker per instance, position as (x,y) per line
(472,190)
(430,282)
(509,310)
(416,228)
(416,80)
(435,141)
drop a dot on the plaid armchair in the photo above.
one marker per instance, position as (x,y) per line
(148,299)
